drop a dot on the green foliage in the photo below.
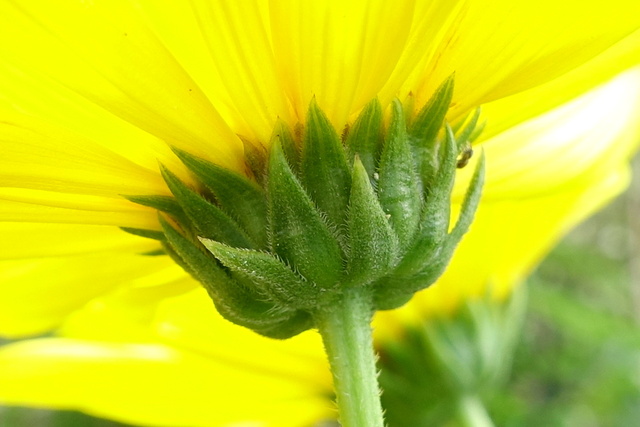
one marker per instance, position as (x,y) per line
(299,233)
(238,196)
(141,232)
(324,170)
(434,218)
(319,214)
(208,219)
(272,278)
(399,186)
(425,128)
(373,246)
(234,300)
(282,134)
(364,137)
(427,259)
(164,204)
(578,360)
(429,372)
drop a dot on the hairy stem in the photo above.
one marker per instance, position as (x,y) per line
(346,332)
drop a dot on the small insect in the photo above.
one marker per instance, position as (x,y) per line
(466,154)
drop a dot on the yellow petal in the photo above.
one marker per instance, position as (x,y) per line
(30,240)
(167,308)
(175,309)
(37,295)
(17,211)
(25,205)
(538,223)
(510,111)
(103,51)
(432,23)
(226,48)
(127,314)
(591,135)
(189,321)
(51,102)
(152,385)
(40,156)
(340,52)
(162,306)
(511,46)
(53,175)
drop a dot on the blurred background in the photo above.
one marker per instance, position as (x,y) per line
(575,360)
(578,360)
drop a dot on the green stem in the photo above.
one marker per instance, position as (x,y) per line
(473,413)
(346,332)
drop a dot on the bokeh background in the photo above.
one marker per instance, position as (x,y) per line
(577,359)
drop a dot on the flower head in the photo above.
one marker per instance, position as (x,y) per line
(93,95)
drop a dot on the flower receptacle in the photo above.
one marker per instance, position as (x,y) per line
(369,209)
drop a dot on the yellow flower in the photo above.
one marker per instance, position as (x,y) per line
(93,94)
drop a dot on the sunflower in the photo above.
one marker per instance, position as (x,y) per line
(95,96)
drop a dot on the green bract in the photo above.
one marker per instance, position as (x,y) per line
(323,214)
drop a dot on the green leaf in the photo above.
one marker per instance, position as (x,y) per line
(324,168)
(470,202)
(274,278)
(398,186)
(242,199)
(406,281)
(425,128)
(397,289)
(385,300)
(164,204)
(464,136)
(299,235)
(291,150)
(236,303)
(430,119)
(299,322)
(149,234)
(477,131)
(156,252)
(408,105)
(434,222)
(373,246)
(364,137)
(434,266)
(208,219)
